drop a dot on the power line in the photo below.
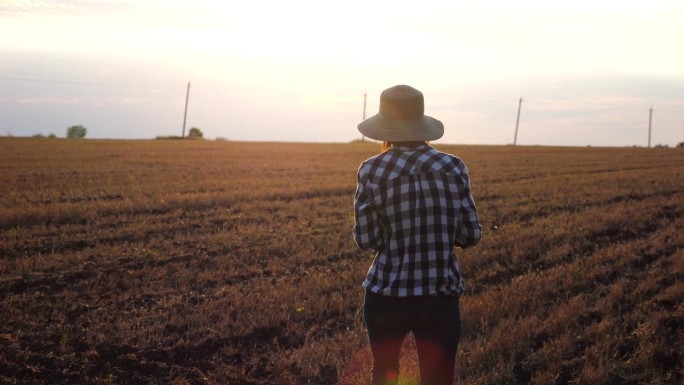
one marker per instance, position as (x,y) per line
(74,83)
(670,110)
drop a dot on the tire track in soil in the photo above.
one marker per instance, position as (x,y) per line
(594,242)
(132,364)
(575,173)
(53,282)
(28,220)
(167,232)
(543,212)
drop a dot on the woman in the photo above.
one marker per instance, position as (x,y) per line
(412,206)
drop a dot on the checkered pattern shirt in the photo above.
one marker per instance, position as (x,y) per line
(412,206)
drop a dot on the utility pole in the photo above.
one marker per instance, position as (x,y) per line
(650,118)
(185,115)
(517,122)
(365,95)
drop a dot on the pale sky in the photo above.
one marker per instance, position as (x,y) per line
(588,71)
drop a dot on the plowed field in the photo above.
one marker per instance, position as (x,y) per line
(200,262)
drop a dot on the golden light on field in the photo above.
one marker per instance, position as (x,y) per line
(168,261)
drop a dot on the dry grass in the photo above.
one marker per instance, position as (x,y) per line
(196,262)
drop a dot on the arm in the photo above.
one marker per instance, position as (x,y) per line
(367,232)
(469,231)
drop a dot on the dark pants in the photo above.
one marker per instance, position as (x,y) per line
(436,326)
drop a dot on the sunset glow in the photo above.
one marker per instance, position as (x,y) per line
(311,61)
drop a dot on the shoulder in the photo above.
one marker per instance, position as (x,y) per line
(375,164)
(447,163)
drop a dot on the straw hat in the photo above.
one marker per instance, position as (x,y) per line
(402,118)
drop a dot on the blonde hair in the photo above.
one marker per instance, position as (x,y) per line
(385,146)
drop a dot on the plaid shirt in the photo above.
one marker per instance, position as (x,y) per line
(412,206)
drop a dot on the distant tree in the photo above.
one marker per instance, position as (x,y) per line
(680,145)
(52,135)
(195,133)
(76,132)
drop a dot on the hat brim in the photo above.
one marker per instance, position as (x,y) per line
(380,128)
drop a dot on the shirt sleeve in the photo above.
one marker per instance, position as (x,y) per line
(367,232)
(469,231)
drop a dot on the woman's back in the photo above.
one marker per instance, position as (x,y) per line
(418,207)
